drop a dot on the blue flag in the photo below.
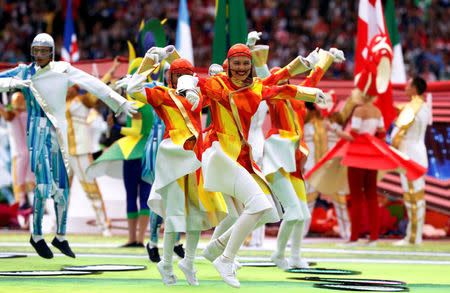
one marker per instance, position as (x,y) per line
(69,51)
(183,43)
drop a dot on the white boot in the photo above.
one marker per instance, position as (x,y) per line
(167,275)
(279,260)
(189,272)
(296,262)
(227,271)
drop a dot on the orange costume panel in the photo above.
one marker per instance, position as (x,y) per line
(287,116)
(232,109)
(181,125)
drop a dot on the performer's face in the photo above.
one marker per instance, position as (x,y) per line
(240,67)
(42,55)
(410,90)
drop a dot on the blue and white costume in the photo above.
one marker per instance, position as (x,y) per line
(47,128)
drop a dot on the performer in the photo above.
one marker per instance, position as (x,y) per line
(354,161)
(320,139)
(78,108)
(177,193)
(148,174)
(227,163)
(44,84)
(284,154)
(408,137)
(256,137)
(24,180)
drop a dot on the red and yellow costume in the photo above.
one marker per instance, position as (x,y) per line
(226,146)
(177,194)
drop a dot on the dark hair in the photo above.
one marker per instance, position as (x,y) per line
(420,84)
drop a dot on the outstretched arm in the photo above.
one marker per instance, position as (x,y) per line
(113,100)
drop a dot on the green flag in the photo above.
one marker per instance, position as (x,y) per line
(398,74)
(230,27)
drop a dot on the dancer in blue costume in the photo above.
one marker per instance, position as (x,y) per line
(44,84)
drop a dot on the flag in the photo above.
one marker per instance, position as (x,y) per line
(398,74)
(230,27)
(371,23)
(183,43)
(69,51)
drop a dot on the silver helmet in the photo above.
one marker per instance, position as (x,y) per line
(44,40)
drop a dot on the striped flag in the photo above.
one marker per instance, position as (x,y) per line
(183,43)
(230,27)
(69,51)
(398,74)
(371,23)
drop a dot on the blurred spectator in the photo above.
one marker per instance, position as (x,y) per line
(290,27)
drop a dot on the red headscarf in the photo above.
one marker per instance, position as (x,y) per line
(239,50)
(180,66)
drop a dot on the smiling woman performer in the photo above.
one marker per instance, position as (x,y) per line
(227,163)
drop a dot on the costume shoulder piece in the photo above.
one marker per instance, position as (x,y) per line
(409,111)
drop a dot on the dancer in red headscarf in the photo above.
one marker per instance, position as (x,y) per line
(227,162)
(177,194)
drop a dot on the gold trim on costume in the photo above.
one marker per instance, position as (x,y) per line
(296,66)
(307,94)
(319,138)
(406,118)
(260,54)
(311,197)
(412,198)
(183,112)
(90,187)
(325,60)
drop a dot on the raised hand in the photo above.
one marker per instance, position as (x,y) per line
(252,38)
(337,54)
(214,69)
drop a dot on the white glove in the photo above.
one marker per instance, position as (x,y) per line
(313,58)
(128,107)
(19,83)
(252,38)
(186,82)
(123,82)
(134,83)
(187,86)
(162,53)
(214,69)
(337,54)
(321,99)
(193,97)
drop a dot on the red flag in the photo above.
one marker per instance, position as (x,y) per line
(371,23)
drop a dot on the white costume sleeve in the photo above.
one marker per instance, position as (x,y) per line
(5,80)
(96,87)
(4,84)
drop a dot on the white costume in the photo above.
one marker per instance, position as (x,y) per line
(80,150)
(408,137)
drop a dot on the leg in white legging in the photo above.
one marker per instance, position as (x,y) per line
(223,226)
(165,266)
(295,259)
(187,263)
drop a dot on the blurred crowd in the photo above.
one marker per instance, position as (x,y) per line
(290,27)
